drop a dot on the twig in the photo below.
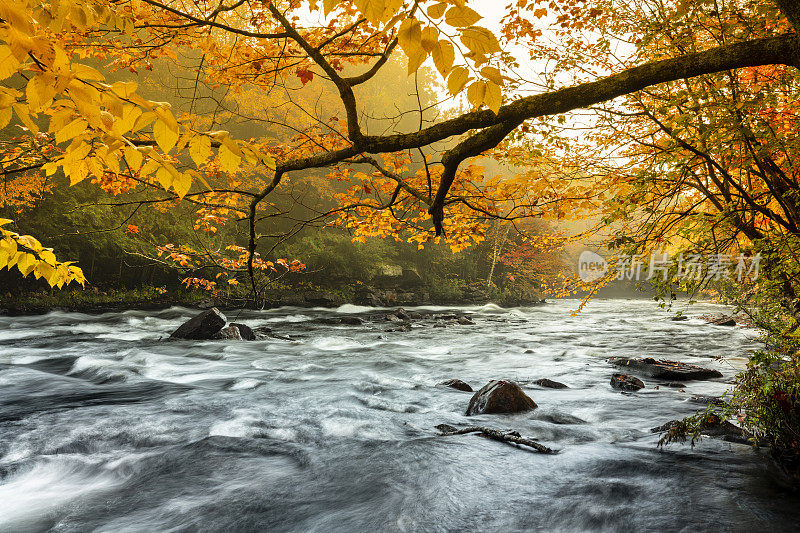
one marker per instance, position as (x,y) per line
(507,436)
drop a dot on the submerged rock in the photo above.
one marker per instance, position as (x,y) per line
(550,384)
(202,326)
(351,320)
(464,321)
(231,333)
(500,397)
(245,331)
(456,384)
(626,383)
(713,426)
(664,369)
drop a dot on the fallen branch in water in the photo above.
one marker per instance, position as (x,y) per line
(510,437)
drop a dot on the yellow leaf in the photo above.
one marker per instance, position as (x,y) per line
(493,96)
(164,177)
(459,17)
(86,73)
(430,36)
(371,9)
(39,92)
(409,37)
(459,77)
(229,161)
(182,184)
(480,40)
(231,145)
(165,136)
(5,117)
(166,116)
(443,56)
(415,60)
(71,130)
(476,93)
(22,112)
(26,263)
(130,114)
(8,63)
(200,149)
(133,158)
(144,120)
(493,74)
(437,10)
(124,89)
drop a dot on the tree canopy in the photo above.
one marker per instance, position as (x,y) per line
(269,93)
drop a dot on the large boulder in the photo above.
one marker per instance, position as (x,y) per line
(203,326)
(626,383)
(245,331)
(500,397)
(456,384)
(664,369)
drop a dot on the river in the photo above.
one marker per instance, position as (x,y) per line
(106,427)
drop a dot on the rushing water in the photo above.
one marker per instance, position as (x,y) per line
(106,427)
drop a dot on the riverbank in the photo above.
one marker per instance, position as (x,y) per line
(94,301)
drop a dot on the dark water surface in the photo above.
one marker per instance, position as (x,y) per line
(103,427)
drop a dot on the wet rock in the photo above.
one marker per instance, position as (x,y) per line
(664,369)
(230,333)
(528,351)
(440,325)
(392,317)
(445,317)
(550,384)
(404,328)
(708,400)
(723,320)
(202,326)
(500,397)
(245,331)
(713,426)
(624,382)
(262,331)
(679,318)
(456,384)
(351,320)
(464,321)
(402,314)
(675,385)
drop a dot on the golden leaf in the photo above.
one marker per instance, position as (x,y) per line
(443,56)
(460,17)
(459,77)
(480,40)
(165,136)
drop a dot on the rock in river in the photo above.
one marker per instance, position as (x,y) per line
(664,369)
(500,397)
(550,384)
(626,383)
(245,331)
(202,326)
(231,333)
(456,384)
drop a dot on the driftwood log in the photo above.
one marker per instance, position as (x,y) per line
(509,437)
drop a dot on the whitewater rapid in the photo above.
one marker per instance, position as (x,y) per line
(105,426)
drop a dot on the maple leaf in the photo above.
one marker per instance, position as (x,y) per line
(305,75)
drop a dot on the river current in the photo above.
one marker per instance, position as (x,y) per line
(104,426)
